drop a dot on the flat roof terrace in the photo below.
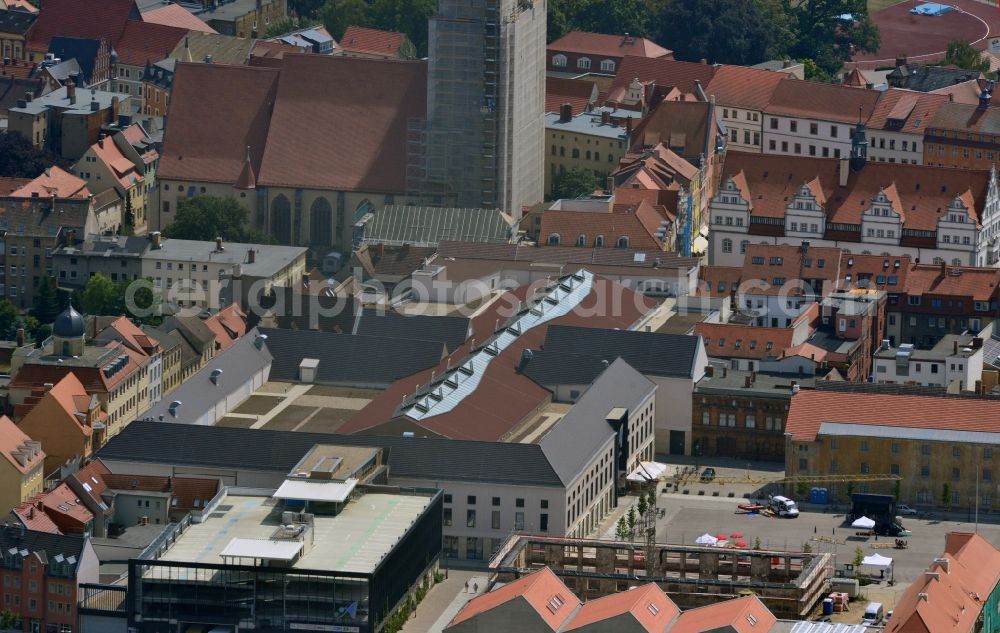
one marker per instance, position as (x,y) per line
(355,540)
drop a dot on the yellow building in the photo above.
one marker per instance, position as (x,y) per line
(104,166)
(940,449)
(588,141)
(21,470)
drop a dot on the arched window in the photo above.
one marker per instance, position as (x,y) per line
(583,63)
(321,222)
(559,60)
(599,241)
(607,66)
(743,246)
(581,240)
(727,245)
(281,220)
(623,241)
(553,239)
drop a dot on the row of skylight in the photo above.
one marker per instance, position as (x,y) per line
(445,394)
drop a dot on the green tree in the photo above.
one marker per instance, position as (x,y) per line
(9,317)
(208,217)
(630,520)
(128,218)
(850,490)
(337,15)
(46,305)
(280,27)
(40,334)
(946,494)
(405,16)
(859,557)
(807,547)
(964,55)
(145,301)
(721,31)
(305,8)
(621,529)
(897,488)
(802,488)
(643,505)
(101,296)
(573,183)
(20,159)
(822,34)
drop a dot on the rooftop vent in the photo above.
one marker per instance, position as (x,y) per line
(215,376)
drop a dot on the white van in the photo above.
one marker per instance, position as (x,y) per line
(784,507)
(873,614)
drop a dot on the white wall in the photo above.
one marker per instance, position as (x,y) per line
(832,140)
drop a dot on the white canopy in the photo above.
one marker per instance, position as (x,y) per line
(265,549)
(647,471)
(877,560)
(706,539)
(864,523)
(312,490)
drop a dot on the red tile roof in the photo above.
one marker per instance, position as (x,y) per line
(20,5)
(916,109)
(603,45)
(143,42)
(952,596)
(742,87)
(90,19)
(788,262)
(874,266)
(17,69)
(537,589)
(679,126)
(14,441)
(32,515)
(924,191)
(732,340)
(651,608)
(133,336)
(107,151)
(978,284)
(33,375)
(359,39)
(209,145)
(742,615)
(175,15)
(637,222)
(62,507)
(709,278)
(825,102)
(809,409)
(576,92)
(10,185)
(664,72)
(54,182)
(359,137)
(228,325)
(185,489)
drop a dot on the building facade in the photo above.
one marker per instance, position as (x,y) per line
(22,468)
(587,141)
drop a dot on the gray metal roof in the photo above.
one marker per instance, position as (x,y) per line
(84,97)
(450,330)
(433,460)
(577,436)
(554,368)
(199,394)
(426,226)
(268,259)
(909,433)
(585,123)
(349,360)
(649,352)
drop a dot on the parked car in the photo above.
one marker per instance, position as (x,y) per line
(708,474)
(905,510)
(892,529)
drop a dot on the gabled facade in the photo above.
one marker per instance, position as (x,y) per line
(21,468)
(931,214)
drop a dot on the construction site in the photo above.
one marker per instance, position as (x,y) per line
(789,583)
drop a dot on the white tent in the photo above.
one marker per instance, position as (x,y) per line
(877,560)
(647,471)
(706,539)
(864,523)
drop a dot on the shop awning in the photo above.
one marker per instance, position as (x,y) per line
(647,471)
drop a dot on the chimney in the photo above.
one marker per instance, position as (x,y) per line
(944,268)
(900,60)
(709,371)
(20,337)
(725,371)
(605,117)
(844,171)
(955,350)
(787,63)
(526,356)
(100,141)
(565,113)
(71,91)
(218,245)
(747,382)
(155,236)
(48,386)
(251,256)
(628,131)
(260,340)
(610,186)
(215,376)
